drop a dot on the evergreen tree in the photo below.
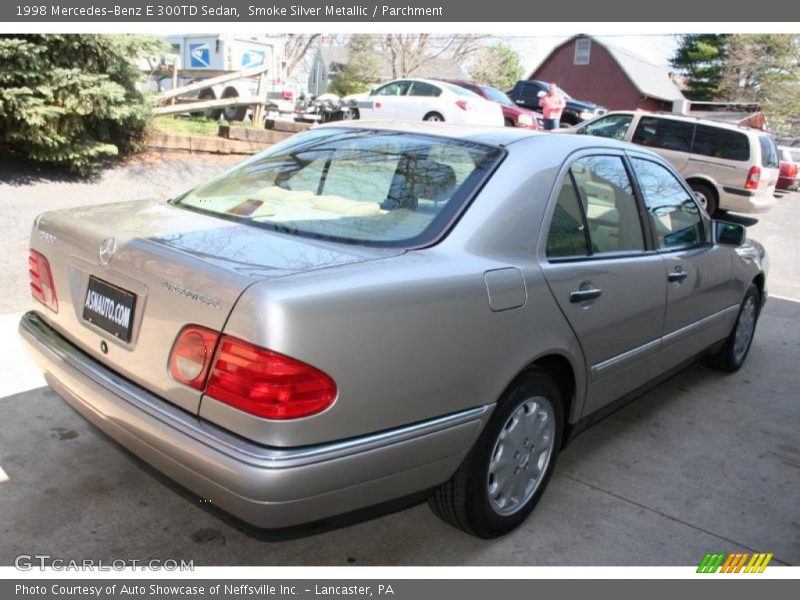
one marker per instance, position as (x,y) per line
(362,69)
(765,68)
(701,59)
(71,99)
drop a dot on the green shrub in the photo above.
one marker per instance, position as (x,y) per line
(71,100)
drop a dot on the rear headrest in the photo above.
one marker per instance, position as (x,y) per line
(430,180)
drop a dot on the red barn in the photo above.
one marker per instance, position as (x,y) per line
(591,70)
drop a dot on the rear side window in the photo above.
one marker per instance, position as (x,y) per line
(721,143)
(667,134)
(769,152)
(606,217)
(530,91)
(567,236)
(420,88)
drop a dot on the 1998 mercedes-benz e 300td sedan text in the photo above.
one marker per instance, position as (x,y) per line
(368,311)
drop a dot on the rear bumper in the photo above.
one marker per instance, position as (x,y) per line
(746,201)
(265,486)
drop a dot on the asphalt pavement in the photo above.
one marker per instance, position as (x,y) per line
(706,462)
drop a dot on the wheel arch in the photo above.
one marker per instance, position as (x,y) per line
(704,180)
(566,377)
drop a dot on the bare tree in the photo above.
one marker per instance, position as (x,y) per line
(408,52)
(296,47)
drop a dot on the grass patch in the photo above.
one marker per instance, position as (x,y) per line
(192,125)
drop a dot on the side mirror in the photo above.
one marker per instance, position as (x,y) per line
(729,234)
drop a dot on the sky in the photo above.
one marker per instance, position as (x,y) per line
(656,49)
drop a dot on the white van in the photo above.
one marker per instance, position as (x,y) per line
(729,167)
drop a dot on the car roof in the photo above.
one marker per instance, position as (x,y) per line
(681,117)
(493,136)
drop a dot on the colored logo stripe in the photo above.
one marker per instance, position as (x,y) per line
(734,562)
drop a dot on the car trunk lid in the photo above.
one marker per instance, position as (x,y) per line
(129,276)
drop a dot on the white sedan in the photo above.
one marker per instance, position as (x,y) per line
(426,100)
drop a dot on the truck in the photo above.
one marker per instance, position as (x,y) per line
(203,56)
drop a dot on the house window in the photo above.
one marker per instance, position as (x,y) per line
(583,48)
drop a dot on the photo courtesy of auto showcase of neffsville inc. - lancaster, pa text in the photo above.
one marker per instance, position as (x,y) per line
(399,299)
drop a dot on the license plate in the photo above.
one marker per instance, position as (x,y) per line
(110,308)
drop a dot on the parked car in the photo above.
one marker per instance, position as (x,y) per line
(366,311)
(789,176)
(513,115)
(729,167)
(425,100)
(526,93)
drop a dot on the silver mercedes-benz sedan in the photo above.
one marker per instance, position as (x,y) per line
(370,311)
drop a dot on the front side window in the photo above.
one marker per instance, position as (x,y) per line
(356,186)
(395,88)
(673,211)
(666,134)
(721,143)
(596,212)
(612,126)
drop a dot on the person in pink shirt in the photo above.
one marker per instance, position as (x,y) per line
(552,104)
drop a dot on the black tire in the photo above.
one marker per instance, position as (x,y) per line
(706,195)
(233,113)
(212,113)
(433,117)
(731,356)
(464,501)
(509,123)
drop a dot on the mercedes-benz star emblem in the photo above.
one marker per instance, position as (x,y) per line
(107,249)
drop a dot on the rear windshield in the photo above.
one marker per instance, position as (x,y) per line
(795,154)
(356,186)
(769,152)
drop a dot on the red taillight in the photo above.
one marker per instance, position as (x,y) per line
(753,177)
(792,170)
(462,104)
(267,384)
(42,286)
(191,355)
(287,95)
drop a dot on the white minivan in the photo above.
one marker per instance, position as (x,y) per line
(729,167)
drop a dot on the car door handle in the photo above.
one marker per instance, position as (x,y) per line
(677,276)
(584,295)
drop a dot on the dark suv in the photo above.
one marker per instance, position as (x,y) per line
(526,94)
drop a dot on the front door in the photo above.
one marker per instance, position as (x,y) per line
(611,289)
(702,298)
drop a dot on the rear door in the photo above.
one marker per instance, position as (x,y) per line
(422,99)
(604,276)
(671,138)
(702,299)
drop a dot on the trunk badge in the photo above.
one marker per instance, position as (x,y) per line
(107,249)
